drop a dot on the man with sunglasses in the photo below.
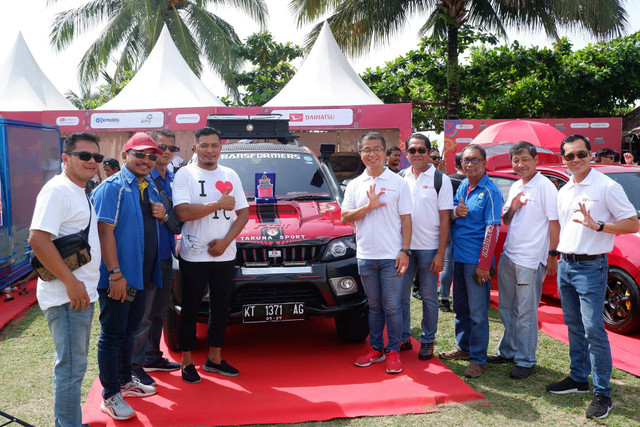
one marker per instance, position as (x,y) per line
(429,235)
(592,209)
(147,356)
(129,211)
(61,209)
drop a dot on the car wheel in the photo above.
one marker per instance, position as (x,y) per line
(170,330)
(353,326)
(621,302)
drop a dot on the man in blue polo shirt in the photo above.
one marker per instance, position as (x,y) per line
(477,210)
(128,209)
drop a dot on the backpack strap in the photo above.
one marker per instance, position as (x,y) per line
(437,180)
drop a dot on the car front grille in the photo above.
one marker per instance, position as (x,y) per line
(278,255)
(271,294)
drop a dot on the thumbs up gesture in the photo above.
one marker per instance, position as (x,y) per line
(462,209)
(157,210)
(227,202)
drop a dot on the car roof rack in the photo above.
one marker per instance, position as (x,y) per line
(253,127)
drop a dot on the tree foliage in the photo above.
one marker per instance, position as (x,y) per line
(90,100)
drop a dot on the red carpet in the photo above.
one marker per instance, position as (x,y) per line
(624,348)
(290,372)
(10,310)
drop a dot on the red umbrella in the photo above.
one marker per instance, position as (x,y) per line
(539,134)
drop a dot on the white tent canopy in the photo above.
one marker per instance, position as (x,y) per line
(23,85)
(325,78)
(164,81)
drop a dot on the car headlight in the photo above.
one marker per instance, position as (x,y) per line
(342,247)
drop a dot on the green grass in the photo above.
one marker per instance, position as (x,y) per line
(26,358)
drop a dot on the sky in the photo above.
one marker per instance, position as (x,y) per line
(34,19)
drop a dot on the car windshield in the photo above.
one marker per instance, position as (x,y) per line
(298,175)
(630,181)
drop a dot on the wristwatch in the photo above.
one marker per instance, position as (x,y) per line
(601,225)
(406,251)
(554,253)
(115,271)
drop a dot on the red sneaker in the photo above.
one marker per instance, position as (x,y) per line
(373,356)
(394,366)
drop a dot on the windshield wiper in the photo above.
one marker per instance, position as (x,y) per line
(307,197)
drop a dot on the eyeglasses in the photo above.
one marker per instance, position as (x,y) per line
(85,156)
(140,155)
(436,158)
(376,150)
(171,148)
(473,160)
(582,154)
(421,150)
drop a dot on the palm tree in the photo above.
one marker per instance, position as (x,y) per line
(359,24)
(133,26)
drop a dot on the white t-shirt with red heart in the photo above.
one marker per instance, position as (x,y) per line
(195,185)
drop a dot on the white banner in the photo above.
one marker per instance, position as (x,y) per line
(141,119)
(318,117)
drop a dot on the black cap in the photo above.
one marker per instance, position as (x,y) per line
(111,162)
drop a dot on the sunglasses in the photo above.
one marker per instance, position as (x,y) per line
(85,156)
(582,154)
(171,148)
(421,150)
(436,158)
(473,160)
(140,155)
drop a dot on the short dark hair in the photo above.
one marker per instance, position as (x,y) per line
(207,131)
(521,146)
(459,160)
(112,163)
(372,135)
(71,141)
(473,146)
(421,136)
(572,138)
(392,149)
(164,132)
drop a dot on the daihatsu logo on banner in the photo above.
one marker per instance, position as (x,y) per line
(67,121)
(318,117)
(146,119)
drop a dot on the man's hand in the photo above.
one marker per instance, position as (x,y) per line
(552,265)
(402,263)
(483,275)
(227,202)
(374,198)
(462,210)
(157,210)
(118,289)
(78,296)
(628,158)
(217,247)
(437,263)
(517,202)
(587,221)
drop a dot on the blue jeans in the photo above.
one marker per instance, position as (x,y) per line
(582,287)
(119,321)
(446,276)
(519,290)
(383,287)
(70,330)
(146,342)
(471,304)
(420,261)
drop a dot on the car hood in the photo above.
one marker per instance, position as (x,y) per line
(293,221)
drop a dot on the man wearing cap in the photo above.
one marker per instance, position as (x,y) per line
(110,166)
(128,209)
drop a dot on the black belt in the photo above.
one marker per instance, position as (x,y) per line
(574,257)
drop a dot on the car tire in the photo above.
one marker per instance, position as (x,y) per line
(621,302)
(353,326)
(170,330)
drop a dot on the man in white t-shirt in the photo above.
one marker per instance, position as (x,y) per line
(379,203)
(430,231)
(205,196)
(531,212)
(592,209)
(62,208)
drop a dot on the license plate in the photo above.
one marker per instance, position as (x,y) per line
(260,313)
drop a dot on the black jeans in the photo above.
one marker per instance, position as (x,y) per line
(195,277)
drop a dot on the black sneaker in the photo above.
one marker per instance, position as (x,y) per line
(190,375)
(498,359)
(599,406)
(222,368)
(162,364)
(416,294)
(445,306)
(521,372)
(568,385)
(426,351)
(142,376)
(406,345)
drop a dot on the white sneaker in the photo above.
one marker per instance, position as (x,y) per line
(117,408)
(135,388)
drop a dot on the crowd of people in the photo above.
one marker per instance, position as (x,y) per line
(438,228)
